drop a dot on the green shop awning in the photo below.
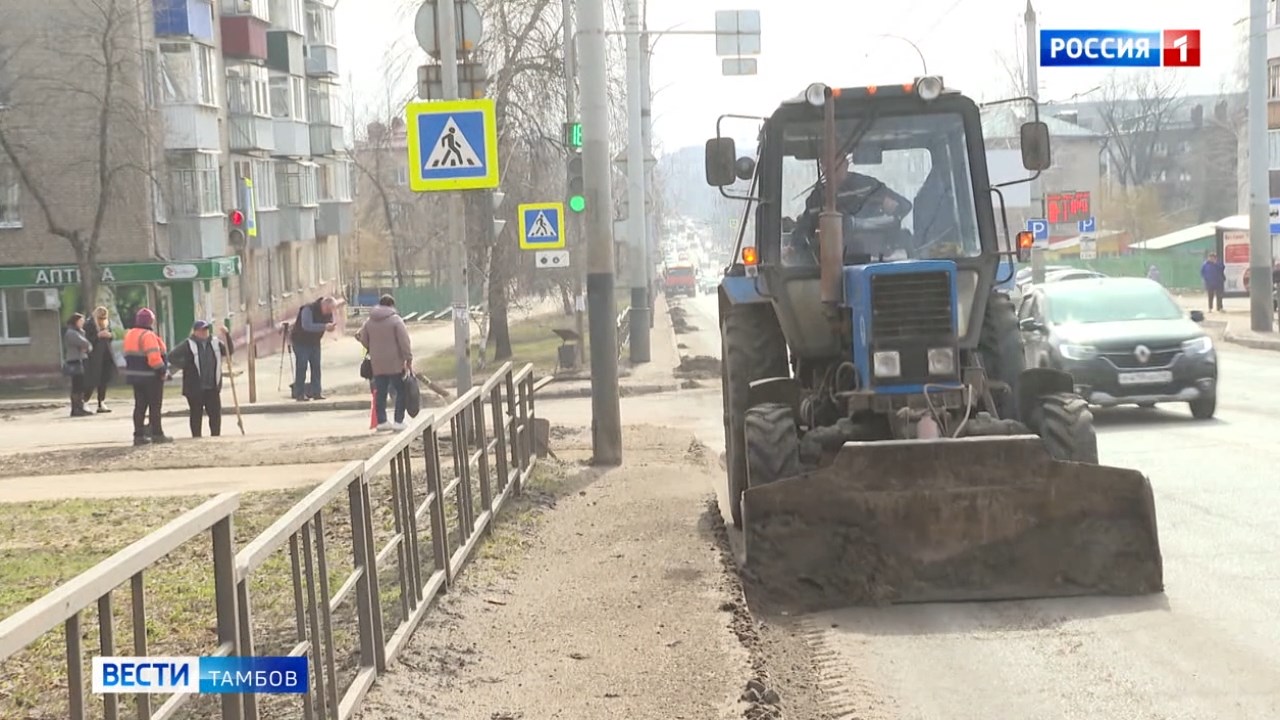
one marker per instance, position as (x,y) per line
(122,273)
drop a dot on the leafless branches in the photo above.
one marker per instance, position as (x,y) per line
(1136,110)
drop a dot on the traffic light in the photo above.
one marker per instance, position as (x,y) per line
(239,231)
(577,200)
(573,134)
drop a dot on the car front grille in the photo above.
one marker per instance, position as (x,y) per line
(1127,359)
(911,306)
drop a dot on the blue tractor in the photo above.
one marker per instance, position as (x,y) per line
(884,442)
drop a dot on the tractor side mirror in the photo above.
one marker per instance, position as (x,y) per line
(1197,316)
(1030,324)
(721,162)
(1034,137)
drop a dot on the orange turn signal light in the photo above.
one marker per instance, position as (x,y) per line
(749,255)
(1026,240)
(871,89)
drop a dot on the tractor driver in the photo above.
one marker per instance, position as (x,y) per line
(873,215)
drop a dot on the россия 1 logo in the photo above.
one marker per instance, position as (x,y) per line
(1119,48)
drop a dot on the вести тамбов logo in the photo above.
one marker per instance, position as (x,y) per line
(1120,48)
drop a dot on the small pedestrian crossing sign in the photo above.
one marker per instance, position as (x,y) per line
(541,226)
(453,145)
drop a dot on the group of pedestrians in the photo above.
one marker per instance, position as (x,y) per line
(89,361)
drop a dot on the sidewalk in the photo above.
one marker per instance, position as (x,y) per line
(1233,322)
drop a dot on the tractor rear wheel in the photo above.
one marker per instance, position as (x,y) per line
(1000,346)
(773,443)
(1065,424)
(752,348)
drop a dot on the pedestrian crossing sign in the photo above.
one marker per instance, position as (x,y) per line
(541,226)
(453,145)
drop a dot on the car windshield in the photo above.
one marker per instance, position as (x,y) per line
(1099,302)
(906,190)
(680,272)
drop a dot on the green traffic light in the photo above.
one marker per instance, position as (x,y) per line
(577,203)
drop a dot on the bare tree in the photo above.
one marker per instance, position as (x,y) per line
(1136,111)
(80,76)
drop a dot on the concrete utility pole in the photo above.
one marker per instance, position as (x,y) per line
(646,130)
(636,190)
(574,220)
(455,209)
(1033,89)
(602,307)
(1259,177)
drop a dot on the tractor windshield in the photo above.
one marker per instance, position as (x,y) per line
(904,187)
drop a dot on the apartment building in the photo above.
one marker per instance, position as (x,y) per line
(229,105)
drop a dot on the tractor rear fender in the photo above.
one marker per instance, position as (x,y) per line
(1034,383)
(781,390)
(739,290)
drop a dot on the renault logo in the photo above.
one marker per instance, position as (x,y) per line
(1142,353)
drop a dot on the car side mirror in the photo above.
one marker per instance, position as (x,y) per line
(1034,138)
(721,162)
(1197,316)
(1030,325)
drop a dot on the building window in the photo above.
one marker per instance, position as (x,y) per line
(15,326)
(288,97)
(1184,176)
(186,74)
(1273,80)
(159,203)
(299,179)
(247,91)
(334,179)
(10,196)
(324,103)
(285,257)
(264,185)
(1160,149)
(196,185)
(320,25)
(260,9)
(262,268)
(402,176)
(287,15)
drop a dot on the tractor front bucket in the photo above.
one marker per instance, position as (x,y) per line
(983,518)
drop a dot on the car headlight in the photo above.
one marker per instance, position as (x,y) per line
(1197,346)
(942,361)
(1077,352)
(887,363)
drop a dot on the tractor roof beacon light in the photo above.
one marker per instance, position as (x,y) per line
(928,87)
(816,94)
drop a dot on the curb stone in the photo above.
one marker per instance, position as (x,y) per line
(1272,344)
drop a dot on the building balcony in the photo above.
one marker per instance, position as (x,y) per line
(293,138)
(244,37)
(285,52)
(335,218)
(327,139)
(297,223)
(251,132)
(184,18)
(268,230)
(1273,114)
(191,127)
(195,237)
(322,61)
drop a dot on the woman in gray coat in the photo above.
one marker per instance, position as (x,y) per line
(75,351)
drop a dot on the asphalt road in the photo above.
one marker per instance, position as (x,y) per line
(1209,647)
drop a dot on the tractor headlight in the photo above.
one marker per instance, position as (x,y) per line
(816,94)
(929,87)
(942,361)
(888,363)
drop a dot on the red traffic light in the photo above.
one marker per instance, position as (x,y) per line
(237,218)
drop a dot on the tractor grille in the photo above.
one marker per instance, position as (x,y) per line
(910,307)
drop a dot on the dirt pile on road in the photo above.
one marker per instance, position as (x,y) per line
(698,367)
(680,321)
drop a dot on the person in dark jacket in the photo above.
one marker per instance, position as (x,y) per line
(313,321)
(1214,275)
(75,350)
(200,360)
(100,367)
(146,366)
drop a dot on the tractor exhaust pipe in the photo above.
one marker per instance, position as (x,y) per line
(830,221)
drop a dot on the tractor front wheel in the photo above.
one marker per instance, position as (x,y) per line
(752,348)
(773,443)
(1000,347)
(1065,424)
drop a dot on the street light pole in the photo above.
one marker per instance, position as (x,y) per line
(639,321)
(1259,181)
(606,414)
(455,209)
(646,130)
(574,220)
(1033,90)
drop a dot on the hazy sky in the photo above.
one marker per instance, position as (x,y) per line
(805,41)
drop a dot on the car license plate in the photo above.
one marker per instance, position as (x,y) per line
(1150,377)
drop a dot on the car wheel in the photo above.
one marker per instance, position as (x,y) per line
(1204,408)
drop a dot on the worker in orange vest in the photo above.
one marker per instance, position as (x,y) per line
(146,367)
